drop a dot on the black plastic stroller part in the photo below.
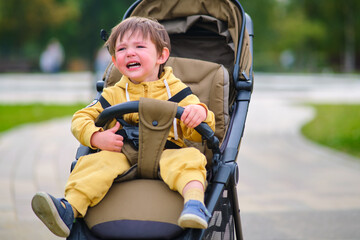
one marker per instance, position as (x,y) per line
(104,35)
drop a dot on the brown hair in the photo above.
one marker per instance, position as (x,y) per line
(146,26)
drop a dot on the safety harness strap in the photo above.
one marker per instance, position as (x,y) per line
(176,98)
(180,95)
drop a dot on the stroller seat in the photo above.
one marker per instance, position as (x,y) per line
(147,208)
(137,209)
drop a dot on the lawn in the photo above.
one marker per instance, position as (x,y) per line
(336,126)
(14,115)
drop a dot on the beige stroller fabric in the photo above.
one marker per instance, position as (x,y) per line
(156,118)
(223,10)
(132,200)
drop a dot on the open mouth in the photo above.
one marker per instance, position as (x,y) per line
(133,65)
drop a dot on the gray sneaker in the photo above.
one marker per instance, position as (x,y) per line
(194,215)
(51,212)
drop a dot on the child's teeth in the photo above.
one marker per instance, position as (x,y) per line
(133,65)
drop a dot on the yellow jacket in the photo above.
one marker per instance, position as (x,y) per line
(83,125)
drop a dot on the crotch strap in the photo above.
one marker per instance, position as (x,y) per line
(156,118)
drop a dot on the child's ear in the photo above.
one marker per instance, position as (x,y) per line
(164,55)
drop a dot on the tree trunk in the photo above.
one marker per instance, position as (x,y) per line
(350,39)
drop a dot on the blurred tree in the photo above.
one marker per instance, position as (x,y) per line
(23,23)
(27,26)
(300,35)
(341,24)
(291,35)
(263,14)
(318,34)
(82,37)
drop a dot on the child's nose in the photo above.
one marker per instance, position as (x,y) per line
(130,52)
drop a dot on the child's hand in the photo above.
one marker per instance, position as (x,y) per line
(193,115)
(108,140)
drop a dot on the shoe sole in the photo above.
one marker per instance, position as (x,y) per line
(45,209)
(192,221)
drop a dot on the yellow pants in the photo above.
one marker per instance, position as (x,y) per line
(94,174)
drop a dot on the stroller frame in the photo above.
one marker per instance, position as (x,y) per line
(226,172)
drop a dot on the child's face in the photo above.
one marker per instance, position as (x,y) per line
(136,57)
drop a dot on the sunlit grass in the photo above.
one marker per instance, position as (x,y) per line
(15,115)
(336,126)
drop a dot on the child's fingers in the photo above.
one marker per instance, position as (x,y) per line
(188,116)
(193,115)
(193,122)
(119,137)
(115,128)
(119,146)
(184,115)
(117,143)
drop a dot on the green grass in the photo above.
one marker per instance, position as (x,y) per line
(15,115)
(336,126)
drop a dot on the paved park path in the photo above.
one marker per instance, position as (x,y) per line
(36,157)
(289,187)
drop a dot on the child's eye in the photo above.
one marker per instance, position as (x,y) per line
(140,46)
(120,49)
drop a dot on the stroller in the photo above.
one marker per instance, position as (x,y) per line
(212,53)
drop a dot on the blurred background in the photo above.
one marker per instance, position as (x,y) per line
(307,65)
(290,35)
(65,33)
